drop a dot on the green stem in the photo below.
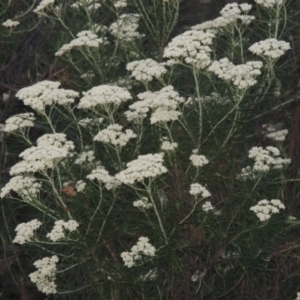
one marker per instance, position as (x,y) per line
(195,74)
(157,213)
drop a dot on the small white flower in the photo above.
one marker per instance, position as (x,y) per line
(125,28)
(274,132)
(28,188)
(19,122)
(163,103)
(190,47)
(242,76)
(45,276)
(90,5)
(198,160)
(207,206)
(84,38)
(58,231)
(25,231)
(265,208)
(103,176)
(145,166)
(270,3)
(142,204)
(45,93)
(80,185)
(113,135)
(144,70)
(85,157)
(168,146)
(197,189)
(143,247)
(264,160)
(103,95)
(271,48)
(50,149)
(120,4)
(45,4)
(10,23)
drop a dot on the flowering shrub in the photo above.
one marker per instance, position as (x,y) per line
(136,169)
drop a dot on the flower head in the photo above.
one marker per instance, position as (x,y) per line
(103,95)
(45,93)
(265,208)
(10,23)
(197,189)
(145,70)
(25,231)
(190,47)
(145,166)
(58,231)
(270,3)
(113,135)
(271,48)
(19,122)
(45,275)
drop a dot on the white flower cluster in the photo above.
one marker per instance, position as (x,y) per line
(125,28)
(91,5)
(88,121)
(198,160)
(84,38)
(46,93)
(104,95)
(270,47)
(44,4)
(264,160)
(168,146)
(80,185)
(102,175)
(242,76)
(191,47)
(144,70)
(163,103)
(45,275)
(143,247)
(145,166)
(50,149)
(25,231)
(10,23)
(273,133)
(85,157)
(58,231)
(207,206)
(19,121)
(58,140)
(212,25)
(113,135)
(298,296)
(265,208)
(270,3)
(120,4)
(197,189)
(26,187)
(233,12)
(142,204)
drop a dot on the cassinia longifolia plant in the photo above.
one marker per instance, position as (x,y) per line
(151,179)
